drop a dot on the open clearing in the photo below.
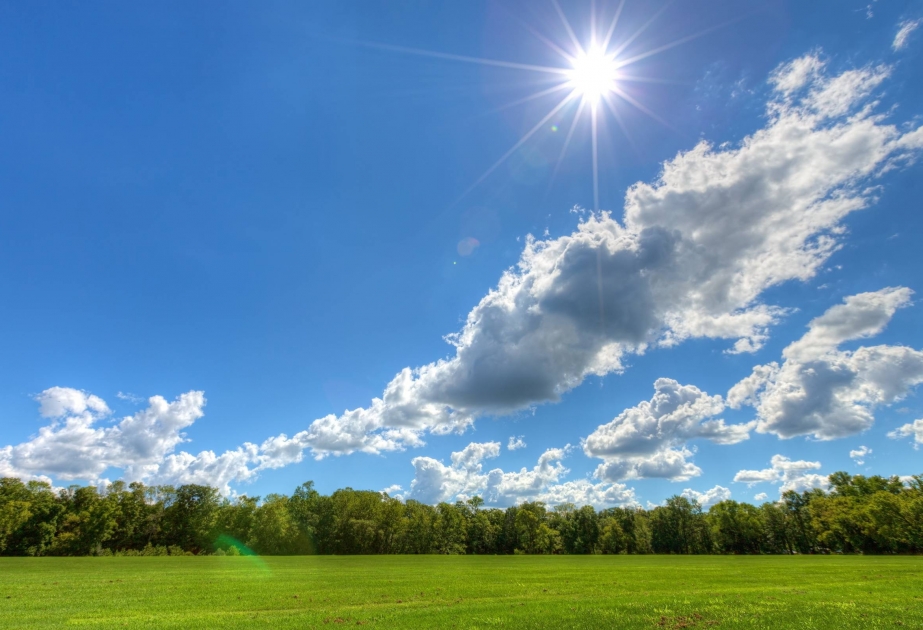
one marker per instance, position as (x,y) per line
(463,591)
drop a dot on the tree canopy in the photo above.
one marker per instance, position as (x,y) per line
(858,514)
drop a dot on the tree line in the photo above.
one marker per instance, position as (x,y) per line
(858,514)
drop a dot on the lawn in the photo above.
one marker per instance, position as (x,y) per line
(465,592)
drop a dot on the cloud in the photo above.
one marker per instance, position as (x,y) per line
(73,447)
(434,481)
(57,402)
(762,496)
(129,397)
(904,30)
(709,497)
(394,491)
(649,439)
(141,446)
(911,429)
(828,393)
(859,454)
(793,475)
(690,258)
(516,442)
(465,477)
(693,253)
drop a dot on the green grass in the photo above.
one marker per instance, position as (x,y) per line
(464,592)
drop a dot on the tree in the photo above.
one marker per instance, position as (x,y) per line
(736,527)
(191,517)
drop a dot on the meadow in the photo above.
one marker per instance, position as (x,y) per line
(463,592)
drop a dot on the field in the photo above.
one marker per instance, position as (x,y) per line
(464,592)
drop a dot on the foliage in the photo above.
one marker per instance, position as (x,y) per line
(868,515)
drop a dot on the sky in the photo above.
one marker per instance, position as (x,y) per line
(599,253)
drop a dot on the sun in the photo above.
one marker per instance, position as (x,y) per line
(594,78)
(593,75)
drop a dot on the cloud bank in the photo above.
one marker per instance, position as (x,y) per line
(691,256)
(465,477)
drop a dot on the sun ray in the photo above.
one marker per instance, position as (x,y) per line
(624,62)
(615,20)
(570,134)
(618,118)
(592,22)
(625,44)
(464,58)
(591,72)
(566,55)
(531,97)
(518,144)
(593,109)
(636,79)
(570,31)
(642,108)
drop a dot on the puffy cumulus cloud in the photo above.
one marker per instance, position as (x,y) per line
(434,481)
(792,475)
(690,257)
(858,455)
(911,429)
(207,468)
(516,442)
(507,488)
(72,446)
(584,492)
(709,497)
(904,30)
(649,439)
(822,391)
(57,402)
(465,477)
(762,496)
(142,446)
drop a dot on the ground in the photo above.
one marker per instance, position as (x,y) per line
(651,592)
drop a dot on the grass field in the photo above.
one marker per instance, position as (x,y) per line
(464,592)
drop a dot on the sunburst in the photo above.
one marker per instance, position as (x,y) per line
(592,77)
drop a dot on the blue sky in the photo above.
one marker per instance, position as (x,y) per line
(272,204)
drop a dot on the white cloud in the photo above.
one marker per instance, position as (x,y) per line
(395,491)
(828,393)
(793,475)
(693,253)
(129,397)
(584,492)
(141,446)
(434,481)
(762,496)
(796,74)
(709,497)
(904,30)
(57,402)
(516,442)
(690,258)
(73,447)
(649,439)
(465,477)
(911,429)
(858,455)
